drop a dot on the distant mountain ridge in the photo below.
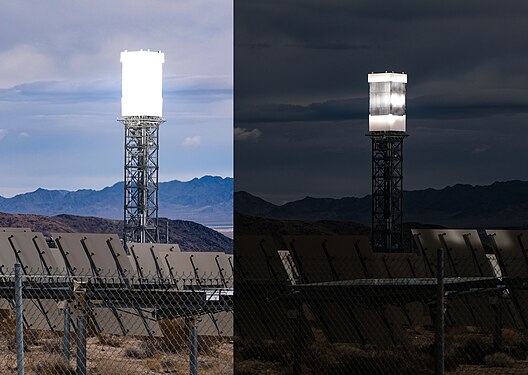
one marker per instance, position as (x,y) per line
(206,200)
(501,204)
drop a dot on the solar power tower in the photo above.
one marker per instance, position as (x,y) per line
(387,132)
(141,113)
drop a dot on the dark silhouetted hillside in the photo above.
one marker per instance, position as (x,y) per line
(501,204)
(189,235)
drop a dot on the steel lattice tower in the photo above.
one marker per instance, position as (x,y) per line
(387,131)
(141,111)
(141,178)
(387,190)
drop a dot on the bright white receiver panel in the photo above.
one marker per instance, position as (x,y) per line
(142,83)
(387,101)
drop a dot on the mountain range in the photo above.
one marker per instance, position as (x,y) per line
(501,204)
(207,200)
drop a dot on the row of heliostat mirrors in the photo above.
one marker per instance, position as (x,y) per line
(325,265)
(102,257)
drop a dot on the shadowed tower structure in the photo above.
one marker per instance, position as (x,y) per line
(141,113)
(387,131)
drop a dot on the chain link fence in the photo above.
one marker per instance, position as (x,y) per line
(457,304)
(110,325)
(83,304)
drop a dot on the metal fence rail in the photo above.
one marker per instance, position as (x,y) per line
(317,305)
(110,324)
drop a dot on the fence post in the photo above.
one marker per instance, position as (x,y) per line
(81,345)
(66,338)
(439,329)
(497,328)
(193,346)
(19,325)
(297,341)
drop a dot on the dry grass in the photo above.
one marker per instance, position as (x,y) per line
(168,364)
(175,338)
(115,355)
(111,366)
(53,366)
(321,357)
(7,322)
(467,349)
(266,350)
(333,358)
(110,340)
(256,367)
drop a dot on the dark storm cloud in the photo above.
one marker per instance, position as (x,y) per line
(303,65)
(330,110)
(427,107)
(331,46)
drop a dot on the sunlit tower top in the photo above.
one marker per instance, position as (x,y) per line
(141,111)
(387,129)
(142,83)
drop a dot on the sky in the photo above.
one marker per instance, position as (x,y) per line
(60,89)
(301,97)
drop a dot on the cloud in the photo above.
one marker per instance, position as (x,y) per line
(480,149)
(242,134)
(192,141)
(3,133)
(60,82)
(24,63)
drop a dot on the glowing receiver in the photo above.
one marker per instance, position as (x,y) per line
(142,83)
(387,102)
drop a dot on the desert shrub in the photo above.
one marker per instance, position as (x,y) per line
(168,364)
(468,350)
(514,344)
(499,360)
(53,346)
(144,349)
(31,337)
(511,337)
